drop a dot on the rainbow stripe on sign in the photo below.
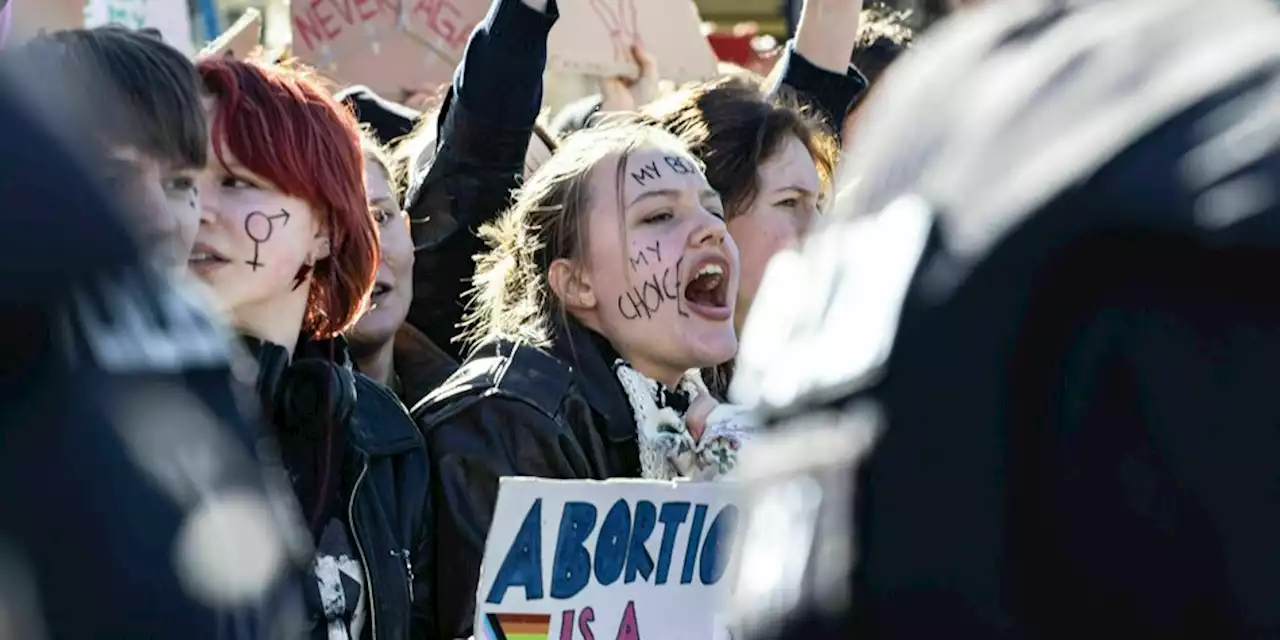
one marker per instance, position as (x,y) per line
(517,626)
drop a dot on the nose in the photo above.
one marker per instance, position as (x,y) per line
(710,232)
(210,201)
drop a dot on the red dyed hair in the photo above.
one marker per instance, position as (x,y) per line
(283,125)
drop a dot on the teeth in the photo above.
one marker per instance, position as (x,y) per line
(197,257)
(710,270)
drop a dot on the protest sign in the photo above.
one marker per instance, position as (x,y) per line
(443,26)
(624,559)
(594,37)
(29,18)
(241,39)
(169,17)
(392,46)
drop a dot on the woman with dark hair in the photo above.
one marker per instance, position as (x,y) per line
(772,162)
(384,346)
(288,247)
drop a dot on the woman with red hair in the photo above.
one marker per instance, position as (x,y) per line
(289,249)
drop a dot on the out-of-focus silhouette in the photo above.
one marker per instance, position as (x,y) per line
(1042,317)
(134,505)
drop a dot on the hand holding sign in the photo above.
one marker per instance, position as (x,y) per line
(621,93)
(695,419)
(595,37)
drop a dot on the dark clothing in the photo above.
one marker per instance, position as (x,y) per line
(832,94)
(388,120)
(420,366)
(111,375)
(1074,383)
(485,124)
(337,590)
(381,505)
(517,410)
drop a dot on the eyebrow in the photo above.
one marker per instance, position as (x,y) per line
(795,187)
(671,193)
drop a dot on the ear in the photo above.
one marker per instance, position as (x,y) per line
(320,248)
(571,285)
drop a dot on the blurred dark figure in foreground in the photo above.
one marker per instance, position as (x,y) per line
(1045,320)
(133,506)
(141,98)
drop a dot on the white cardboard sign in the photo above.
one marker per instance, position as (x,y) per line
(616,560)
(169,17)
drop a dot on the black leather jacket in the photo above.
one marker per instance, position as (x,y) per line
(389,510)
(516,410)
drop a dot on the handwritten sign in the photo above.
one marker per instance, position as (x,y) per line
(29,18)
(624,559)
(392,46)
(169,17)
(443,26)
(594,37)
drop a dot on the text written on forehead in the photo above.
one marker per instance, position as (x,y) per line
(650,171)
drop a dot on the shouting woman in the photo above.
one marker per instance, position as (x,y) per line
(288,247)
(609,284)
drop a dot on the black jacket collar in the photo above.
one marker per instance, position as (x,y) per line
(591,359)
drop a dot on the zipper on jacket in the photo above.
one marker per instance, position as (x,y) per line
(355,536)
(403,554)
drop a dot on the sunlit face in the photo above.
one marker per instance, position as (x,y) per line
(393,290)
(164,201)
(253,239)
(785,206)
(662,270)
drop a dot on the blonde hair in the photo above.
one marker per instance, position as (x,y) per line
(510,297)
(381,155)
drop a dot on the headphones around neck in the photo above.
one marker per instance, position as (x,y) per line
(305,396)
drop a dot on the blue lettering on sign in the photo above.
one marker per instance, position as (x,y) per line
(620,550)
(523,564)
(671,517)
(612,543)
(571,566)
(719,536)
(639,561)
(691,549)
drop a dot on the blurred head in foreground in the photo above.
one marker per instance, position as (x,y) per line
(139,99)
(1044,320)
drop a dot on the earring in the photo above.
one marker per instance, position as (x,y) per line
(301,276)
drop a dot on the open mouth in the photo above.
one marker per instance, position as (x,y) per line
(203,255)
(707,293)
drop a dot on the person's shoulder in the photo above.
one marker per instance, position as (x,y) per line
(504,375)
(380,423)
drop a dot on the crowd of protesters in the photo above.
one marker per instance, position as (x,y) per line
(283,338)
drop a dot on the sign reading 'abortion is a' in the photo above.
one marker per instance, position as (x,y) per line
(615,560)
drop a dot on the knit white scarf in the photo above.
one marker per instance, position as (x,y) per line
(667,449)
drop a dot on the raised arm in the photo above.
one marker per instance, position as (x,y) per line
(816,64)
(466,179)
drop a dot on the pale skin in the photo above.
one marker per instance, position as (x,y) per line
(373,337)
(252,241)
(790,192)
(164,198)
(827,32)
(633,284)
